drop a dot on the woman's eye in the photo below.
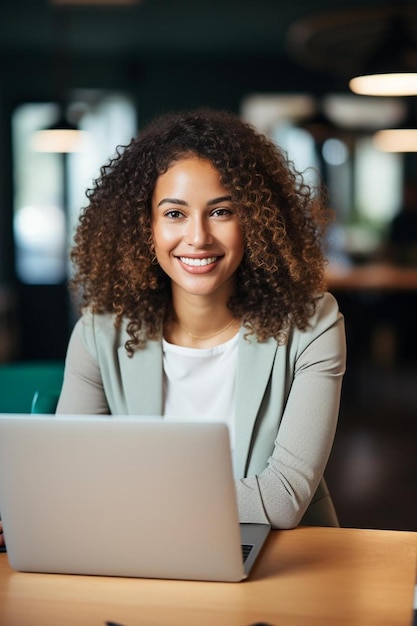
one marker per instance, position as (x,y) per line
(221,212)
(174,214)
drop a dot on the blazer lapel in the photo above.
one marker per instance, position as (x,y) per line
(255,362)
(142,379)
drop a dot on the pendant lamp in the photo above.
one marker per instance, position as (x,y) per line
(392,68)
(62,136)
(400,139)
(378,41)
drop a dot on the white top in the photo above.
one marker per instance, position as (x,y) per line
(199,383)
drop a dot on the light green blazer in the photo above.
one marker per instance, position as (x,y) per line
(287,404)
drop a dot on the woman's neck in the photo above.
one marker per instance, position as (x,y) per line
(198,322)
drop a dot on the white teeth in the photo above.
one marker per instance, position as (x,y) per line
(198,262)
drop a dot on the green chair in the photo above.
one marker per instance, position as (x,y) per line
(30,386)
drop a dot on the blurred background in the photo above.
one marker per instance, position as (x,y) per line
(100,69)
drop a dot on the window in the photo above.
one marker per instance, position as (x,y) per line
(49,188)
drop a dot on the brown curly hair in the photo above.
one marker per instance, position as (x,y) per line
(282,218)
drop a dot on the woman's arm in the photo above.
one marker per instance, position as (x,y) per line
(82,391)
(282,492)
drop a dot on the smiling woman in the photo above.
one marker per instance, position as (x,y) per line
(198,242)
(201,274)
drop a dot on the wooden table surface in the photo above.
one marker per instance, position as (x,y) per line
(317,576)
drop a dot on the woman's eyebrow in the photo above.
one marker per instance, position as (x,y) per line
(218,200)
(184,203)
(172,201)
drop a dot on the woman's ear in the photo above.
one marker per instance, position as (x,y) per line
(152,252)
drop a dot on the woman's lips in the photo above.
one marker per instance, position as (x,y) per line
(198,262)
(198,265)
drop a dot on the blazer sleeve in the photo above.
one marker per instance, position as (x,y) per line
(292,474)
(82,391)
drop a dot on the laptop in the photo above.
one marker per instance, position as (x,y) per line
(122,496)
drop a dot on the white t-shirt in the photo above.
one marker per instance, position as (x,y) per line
(199,383)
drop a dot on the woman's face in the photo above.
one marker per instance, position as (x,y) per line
(197,236)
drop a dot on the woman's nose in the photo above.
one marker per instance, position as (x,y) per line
(198,232)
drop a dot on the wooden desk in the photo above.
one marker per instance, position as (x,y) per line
(372,276)
(317,576)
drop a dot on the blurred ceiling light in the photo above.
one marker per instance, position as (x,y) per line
(401,139)
(360,113)
(381,39)
(264,110)
(396,140)
(388,84)
(60,137)
(392,68)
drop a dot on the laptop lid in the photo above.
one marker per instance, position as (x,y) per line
(120,496)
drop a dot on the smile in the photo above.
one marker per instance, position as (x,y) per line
(198,262)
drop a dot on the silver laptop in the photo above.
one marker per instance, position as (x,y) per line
(122,496)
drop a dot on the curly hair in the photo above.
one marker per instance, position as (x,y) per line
(282,219)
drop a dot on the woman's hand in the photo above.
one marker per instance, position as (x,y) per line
(2,543)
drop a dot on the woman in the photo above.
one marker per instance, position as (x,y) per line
(202,280)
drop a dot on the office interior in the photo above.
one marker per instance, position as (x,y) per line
(109,66)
